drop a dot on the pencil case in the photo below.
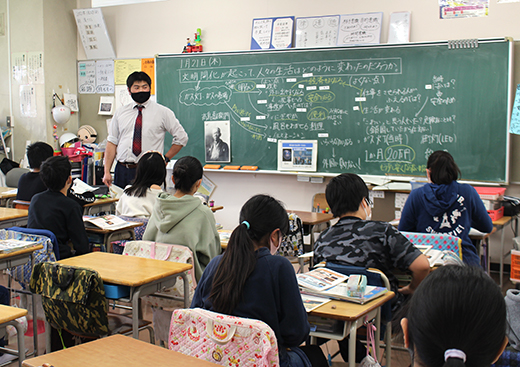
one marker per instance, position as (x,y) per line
(356,285)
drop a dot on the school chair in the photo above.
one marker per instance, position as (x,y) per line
(168,299)
(20,204)
(377,278)
(319,203)
(13,176)
(139,231)
(74,300)
(228,340)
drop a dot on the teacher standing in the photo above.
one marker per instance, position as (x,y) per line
(138,127)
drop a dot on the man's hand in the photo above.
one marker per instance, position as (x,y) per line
(107,179)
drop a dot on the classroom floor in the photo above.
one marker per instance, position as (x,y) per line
(400,358)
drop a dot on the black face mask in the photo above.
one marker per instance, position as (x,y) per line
(140,97)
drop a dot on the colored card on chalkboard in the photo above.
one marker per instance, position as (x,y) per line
(515,114)
(360,29)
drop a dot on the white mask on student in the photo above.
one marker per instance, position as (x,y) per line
(274,246)
(367,217)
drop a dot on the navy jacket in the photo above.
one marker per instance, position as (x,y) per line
(270,294)
(451,209)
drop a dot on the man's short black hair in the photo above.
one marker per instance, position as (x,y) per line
(54,172)
(138,76)
(344,193)
(37,153)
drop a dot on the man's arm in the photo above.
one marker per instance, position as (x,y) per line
(174,149)
(420,268)
(110,155)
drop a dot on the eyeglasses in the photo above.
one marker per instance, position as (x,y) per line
(369,202)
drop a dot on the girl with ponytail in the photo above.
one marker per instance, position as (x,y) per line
(456,318)
(248,281)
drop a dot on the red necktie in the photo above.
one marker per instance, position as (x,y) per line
(136,144)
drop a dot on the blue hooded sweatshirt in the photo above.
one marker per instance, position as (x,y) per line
(451,209)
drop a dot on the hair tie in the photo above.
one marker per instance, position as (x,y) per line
(454,353)
(246,223)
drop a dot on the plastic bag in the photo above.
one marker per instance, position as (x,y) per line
(370,361)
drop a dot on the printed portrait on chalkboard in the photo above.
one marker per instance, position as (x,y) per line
(217,137)
(287,155)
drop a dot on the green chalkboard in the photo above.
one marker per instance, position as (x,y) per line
(378,110)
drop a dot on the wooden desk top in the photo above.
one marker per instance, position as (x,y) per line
(502,221)
(312,218)
(106,231)
(126,270)
(116,350)
(349,311)
(12,213)
(5,195)
(20,252)
(101,202)
(9,313)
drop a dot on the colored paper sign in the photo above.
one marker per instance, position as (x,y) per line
(148,66)
(123,68)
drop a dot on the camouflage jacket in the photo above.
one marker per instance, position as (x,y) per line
(369,244)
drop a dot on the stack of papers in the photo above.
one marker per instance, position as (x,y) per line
(11,245)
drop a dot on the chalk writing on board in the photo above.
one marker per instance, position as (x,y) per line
(281,101)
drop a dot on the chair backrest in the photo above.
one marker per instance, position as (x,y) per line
(438,241)
(139,231)
(292,243)
(375,277)
(228,340)
(13,176)
(73,298)
(22,273)
(319,202)
(41,232)
(162,251)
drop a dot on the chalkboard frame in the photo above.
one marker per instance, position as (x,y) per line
(503,149)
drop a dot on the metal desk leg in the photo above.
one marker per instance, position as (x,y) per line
(35,316)
(47,337)
(136,294)
(187,302)
(352,344)
(502,257)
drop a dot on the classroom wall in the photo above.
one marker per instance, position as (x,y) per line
(46,26)
(143,30)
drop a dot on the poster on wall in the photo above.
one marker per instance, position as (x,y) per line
(272,33)
(360,29)
(515,114)
(93,34)
(105,76)
(463,9)
(297,155)
(87,77)
(317,31)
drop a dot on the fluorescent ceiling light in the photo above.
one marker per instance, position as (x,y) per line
(100,3)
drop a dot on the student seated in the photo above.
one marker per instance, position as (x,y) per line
(54,211)
(138,198)
(182,219)
(356,240)
(248,281)
(456,318)
(30,183)
(446,206)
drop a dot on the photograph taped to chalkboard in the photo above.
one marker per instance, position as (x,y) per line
(297,155)
(217,135)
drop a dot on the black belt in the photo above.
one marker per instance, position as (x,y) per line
(129,165)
